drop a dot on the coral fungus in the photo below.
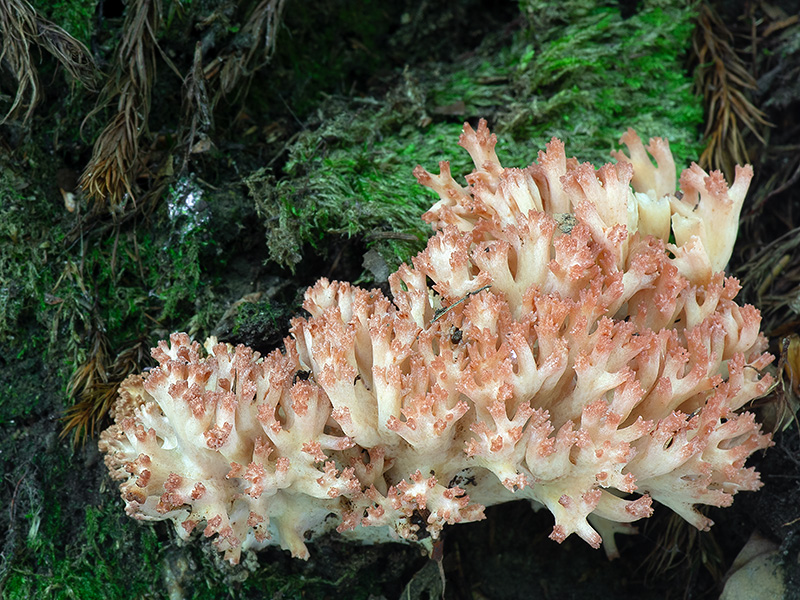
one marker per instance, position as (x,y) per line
(550,343)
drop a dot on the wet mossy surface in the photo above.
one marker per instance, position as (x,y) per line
(306,173)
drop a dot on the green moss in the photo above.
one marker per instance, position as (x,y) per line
(585,76)
(595,73)
(97,563)
(29,238)
(352,176)
(121,280)
(76,17)
(22,396)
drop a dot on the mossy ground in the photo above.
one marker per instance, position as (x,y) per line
(308,175)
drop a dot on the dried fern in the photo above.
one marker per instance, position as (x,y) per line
(771,280)
(94,385)
(21,28)
(724,81)
(115,163)
(110,173)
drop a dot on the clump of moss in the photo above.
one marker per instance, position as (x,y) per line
(124,278)
(29,238)
(94,296)
(57,549)
(593,73)
(585,76)
(96,564)
(351,175)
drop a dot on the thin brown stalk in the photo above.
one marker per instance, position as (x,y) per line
(683,551)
